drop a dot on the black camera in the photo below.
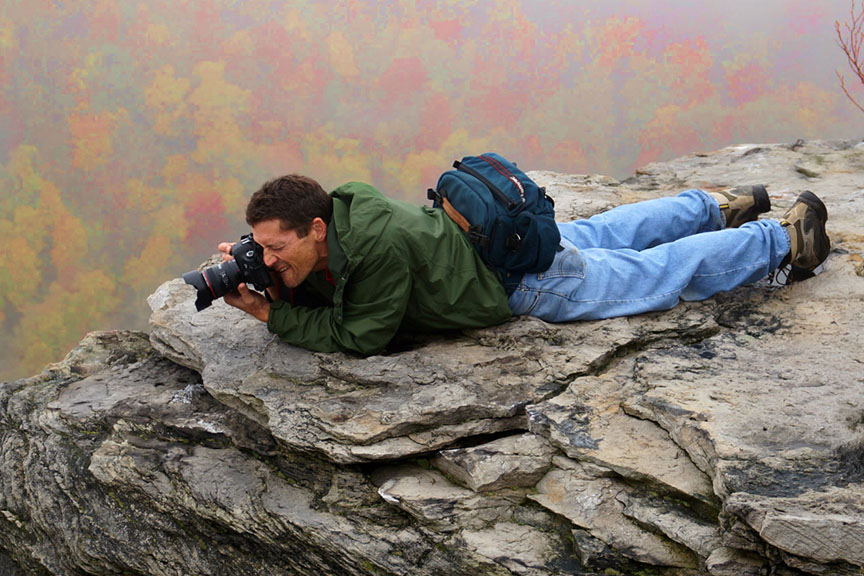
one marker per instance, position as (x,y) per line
(247,266)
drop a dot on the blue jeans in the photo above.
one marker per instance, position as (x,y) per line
(647,256)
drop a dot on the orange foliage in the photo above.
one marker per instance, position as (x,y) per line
(615,40)
(668,133)
(435,122)
(204,213)
(91,139)
(104,19)
(747,82)
(402,78)
(68,240)
(166,96)
(689,66)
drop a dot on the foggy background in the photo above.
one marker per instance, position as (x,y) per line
(132,132)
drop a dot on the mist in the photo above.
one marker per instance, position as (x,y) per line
(132,134)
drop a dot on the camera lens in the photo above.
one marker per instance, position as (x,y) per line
(213,282)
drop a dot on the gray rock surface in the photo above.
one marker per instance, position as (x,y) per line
(724,437)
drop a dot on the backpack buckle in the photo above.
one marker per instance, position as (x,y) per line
(513,242)
(476,236)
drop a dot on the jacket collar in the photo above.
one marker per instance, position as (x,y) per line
(360,216)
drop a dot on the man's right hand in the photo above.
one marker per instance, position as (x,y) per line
(249,301)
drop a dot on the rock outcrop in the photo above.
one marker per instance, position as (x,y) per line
(724,437)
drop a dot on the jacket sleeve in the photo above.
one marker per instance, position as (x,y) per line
(364,318)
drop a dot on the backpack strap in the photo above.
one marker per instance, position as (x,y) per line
(455,215)
(500,196)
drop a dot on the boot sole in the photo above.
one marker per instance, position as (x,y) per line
(761,199)
(797,274)
(814,202)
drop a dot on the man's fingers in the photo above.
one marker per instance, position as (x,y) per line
(250,302)
(225,249)
(241,298)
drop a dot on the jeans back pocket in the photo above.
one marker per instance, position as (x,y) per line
(568,263)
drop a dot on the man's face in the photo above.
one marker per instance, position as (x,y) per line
(291,257)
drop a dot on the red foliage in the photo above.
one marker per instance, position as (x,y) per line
(436,122)
(205,216)
(449,31)
(747,84)
(273,47)
(502,105)
(208,27)
(403,77)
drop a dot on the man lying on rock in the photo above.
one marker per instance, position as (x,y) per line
(352,268)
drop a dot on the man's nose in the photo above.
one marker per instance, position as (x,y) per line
(269,259)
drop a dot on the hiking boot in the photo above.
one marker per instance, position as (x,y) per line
(743,204)
(805,222)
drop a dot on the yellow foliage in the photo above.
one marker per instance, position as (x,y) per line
(664,125)
(47,224)
(140,197)
(158,34)
(240,44)
(216,104)
(567,47)
(215,95)
(333,160)
(8,39)
(29,224)
(233,197)
(166,96)
(462,142)
(811,106)
(52,326)
(148,269)
(170,222)
(68,241)
(614,40)
(341,55)
(419,170)
(175,167)
(49,199)
(415,171)
(20,269)
(295,22)
(21,168)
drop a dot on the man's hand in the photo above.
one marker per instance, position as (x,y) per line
(236,299)
(225,249)
(249,301)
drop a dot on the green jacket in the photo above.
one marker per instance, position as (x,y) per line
(394,266)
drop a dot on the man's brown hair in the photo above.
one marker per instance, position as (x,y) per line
(294,200)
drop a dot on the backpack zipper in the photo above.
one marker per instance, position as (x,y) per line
(503,198)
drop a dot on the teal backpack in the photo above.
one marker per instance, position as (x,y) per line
(507,217)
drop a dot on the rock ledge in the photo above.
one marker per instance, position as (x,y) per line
(724,437)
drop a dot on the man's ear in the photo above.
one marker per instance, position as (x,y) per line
(319,229)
